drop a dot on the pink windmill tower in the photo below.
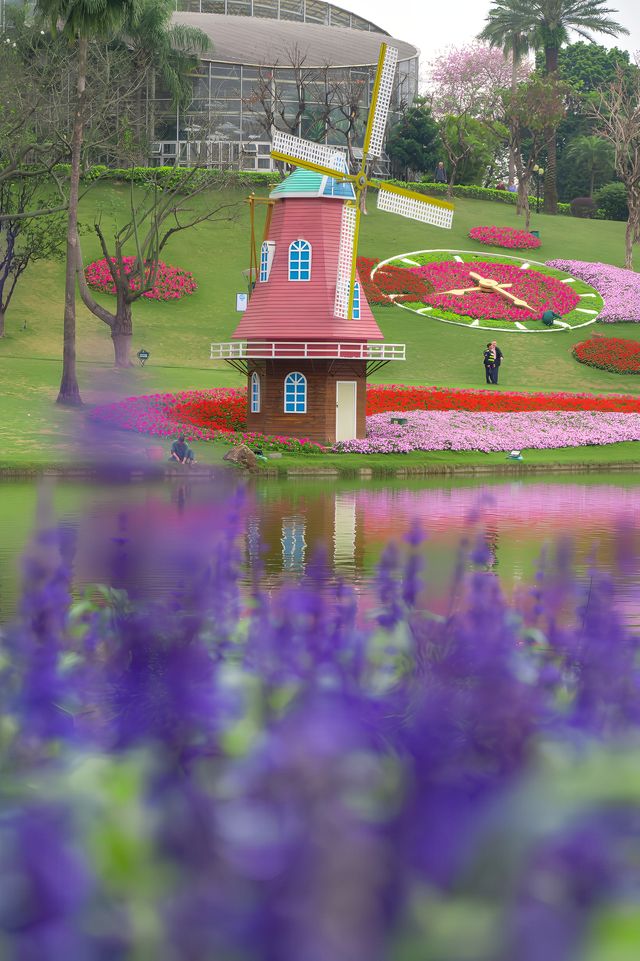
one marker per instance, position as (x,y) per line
(308,339)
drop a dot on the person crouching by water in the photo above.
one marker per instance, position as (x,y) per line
(489,363)
(499,358)
(181,452)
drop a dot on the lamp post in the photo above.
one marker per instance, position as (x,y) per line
(539,172)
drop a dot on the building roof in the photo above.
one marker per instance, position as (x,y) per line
(256,41)
(308,183)
(281,309)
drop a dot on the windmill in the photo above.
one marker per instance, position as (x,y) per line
(324,159)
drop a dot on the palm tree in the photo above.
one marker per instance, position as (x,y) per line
(549,22)
(80,21)
(162,49)
(595,154)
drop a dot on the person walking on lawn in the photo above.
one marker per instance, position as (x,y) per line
(489,363)
(499,358)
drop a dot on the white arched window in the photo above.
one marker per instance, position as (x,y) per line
(295,393)
(255,393)
(300,260)
(356,301)
(267,253)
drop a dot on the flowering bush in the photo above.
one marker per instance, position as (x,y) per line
(470,430)
(398,397)
(169,283)
(539,290)
(610,353)
(620,288)
(276,442)
(504,237)
(202,414)
(390,284)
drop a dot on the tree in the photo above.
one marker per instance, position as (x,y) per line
(165,49)
(617,115)
(412,144)
(79,21)
(24,241)
(470,146)
(548,23)
(595,154)
(153,218)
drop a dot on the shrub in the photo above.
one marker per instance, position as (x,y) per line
(584,207)
(612,199)
(504,237)
(474,193)
(614,354)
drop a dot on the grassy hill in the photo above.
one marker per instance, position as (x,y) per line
(178,334)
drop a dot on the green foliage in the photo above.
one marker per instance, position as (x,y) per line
(589,67)
(612,200)
(471,145)
(473,192)
(412,143)
(172,176)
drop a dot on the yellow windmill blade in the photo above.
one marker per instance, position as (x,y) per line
(380,101)
(318,157)
(349,227)
(415,206)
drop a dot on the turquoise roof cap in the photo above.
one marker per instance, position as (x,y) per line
(308,183)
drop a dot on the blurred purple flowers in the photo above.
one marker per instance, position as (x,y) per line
(279,777)
(620,288)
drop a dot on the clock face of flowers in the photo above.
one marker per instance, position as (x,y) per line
(538,291)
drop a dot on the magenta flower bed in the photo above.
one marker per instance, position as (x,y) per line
(154,413)
(539,290)
(170,283)
(468,430)
(620,288)
(507,237)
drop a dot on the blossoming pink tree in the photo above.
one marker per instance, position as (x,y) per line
(155,215)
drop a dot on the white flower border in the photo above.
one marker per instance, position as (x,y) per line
(557,328)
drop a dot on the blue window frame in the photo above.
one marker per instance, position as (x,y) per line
(356,301)
(264,262)
(255,393)
(295,393)
(300,260)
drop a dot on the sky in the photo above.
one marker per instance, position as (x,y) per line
(435,25)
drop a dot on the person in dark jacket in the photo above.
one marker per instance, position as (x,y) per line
(440,174)
(499,358)
(489,363)
(181,452)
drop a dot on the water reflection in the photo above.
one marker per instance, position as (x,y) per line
(283,524)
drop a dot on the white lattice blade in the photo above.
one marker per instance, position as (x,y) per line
(345,259)
(383,100)
(414,209)
(307,150)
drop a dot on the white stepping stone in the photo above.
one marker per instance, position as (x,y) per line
(475,323)
(519,325)
(568,280)
(560,323)
(407,260)
(459,259)
(423,310)
(586,295)
(583,310)
(525,266)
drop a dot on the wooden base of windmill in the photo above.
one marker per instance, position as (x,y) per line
(335,395)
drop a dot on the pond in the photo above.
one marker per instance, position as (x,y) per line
(283,523)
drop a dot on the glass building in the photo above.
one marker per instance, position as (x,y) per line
(300,65)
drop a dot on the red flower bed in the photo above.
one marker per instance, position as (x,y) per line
(540,291)
(223,411)
(391,284)
(169,283)
(397,397)
(609,353)
(507,237)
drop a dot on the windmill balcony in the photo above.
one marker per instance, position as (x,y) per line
(303,349)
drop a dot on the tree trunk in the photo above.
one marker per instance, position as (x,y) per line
(69,391)
(1,322)
(592,181)
(628,243)
(514,89)
(550,172)
(122,332)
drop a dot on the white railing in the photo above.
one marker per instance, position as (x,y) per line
(301,349)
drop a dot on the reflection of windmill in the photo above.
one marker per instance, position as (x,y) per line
(326,160)
(305,339)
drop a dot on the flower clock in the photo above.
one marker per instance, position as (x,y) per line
(496,292)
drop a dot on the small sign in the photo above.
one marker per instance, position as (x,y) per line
(242,301)
(143,356)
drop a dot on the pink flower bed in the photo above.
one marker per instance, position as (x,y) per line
(155,414)
(620,288)
(507,237)
(539,290)
(170,283)
(468,430)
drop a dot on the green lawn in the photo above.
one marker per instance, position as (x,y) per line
(178,334)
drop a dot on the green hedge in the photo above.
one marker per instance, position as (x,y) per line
(474,193)
(173,176)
